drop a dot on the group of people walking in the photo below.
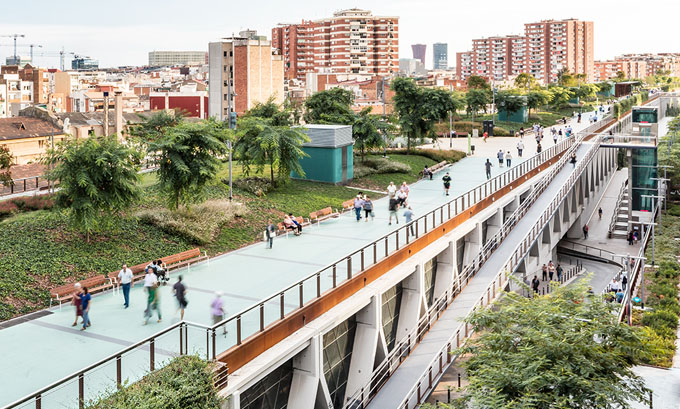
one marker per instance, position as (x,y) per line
(82,299)
(548,273)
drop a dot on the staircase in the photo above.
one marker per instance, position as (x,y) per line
(619,225)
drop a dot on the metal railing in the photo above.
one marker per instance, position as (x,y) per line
(589,250)
(128,364)
(435,368)
(619,199)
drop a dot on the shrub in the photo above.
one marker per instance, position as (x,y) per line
(437,155)
(8,208)
(199,224)
(383,165)
(660,350)
(663,322)
(34,203)
(467,126)
(255,185)
(186,382)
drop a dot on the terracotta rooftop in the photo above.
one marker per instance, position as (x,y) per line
(24,127)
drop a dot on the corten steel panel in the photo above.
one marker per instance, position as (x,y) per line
(251,347)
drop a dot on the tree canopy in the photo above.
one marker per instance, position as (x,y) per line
(562,350)
(537,99)
(477,99)
(369,131)
(97,178)
(331,106)
(154,126)
(278,115)
(5,166)
(525,81)
(188,156)
(419,108)
(559,96)
(509,101)
(477,82)
(262,143)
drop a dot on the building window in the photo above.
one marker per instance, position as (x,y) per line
(391,305)
(338,344)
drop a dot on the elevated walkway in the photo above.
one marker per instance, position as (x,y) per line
(407,377)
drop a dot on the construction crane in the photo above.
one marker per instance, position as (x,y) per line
(23,45)
(15,36)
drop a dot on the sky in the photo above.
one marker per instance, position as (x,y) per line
(122,32)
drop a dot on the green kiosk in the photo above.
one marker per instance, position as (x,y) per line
(330,151)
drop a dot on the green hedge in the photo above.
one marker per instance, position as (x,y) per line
(186,382)
(438,155)
(661,320)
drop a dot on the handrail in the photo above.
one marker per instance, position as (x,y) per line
(37,395)
(517,255)
(619,199)
(589,250)
(363,395)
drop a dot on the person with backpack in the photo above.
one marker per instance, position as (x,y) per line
(447,183)
(585,231)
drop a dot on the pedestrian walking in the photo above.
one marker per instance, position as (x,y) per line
(485,136)
(359,205)
(559,270)
(393,207)
(508,159)
(630,238)
(217,311)
(499,155)
(521,132)
(585,231)
(368,208)
(599,213)
(573,160)
(270,232)
(392,189)
(544,270)
(520,148)
(85,299)
(535,284)
(150,279)
(554,138)
(152,303)
(488,166)
(75,300)
(551,270)
(539,148)
(404,188)
(125,280)
(447,183)
(624,282)
(579,118)
(408,215)
(180,294)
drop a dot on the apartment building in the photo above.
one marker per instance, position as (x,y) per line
(351,42)
(557,45)
(545,49)
(172,58)
(638,66)
(250,67)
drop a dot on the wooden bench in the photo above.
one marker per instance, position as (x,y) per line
(183,259)
(435,167)
(321,215)
(282,228)
(64,293)
(348,204)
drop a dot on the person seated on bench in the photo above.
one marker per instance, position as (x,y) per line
(162,272)
(290,223)
(427,172)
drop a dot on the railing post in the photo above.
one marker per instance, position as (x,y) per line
(261,318)
(238,330)
(301,291)
(181,340)
(119,371)
(425,229)
(282,296)
(38,403)
(362,260)
(386,246)
(81,391)
(214,345)
(152,354)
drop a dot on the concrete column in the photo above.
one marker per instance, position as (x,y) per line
(411,296)
(446,262)
(118,112)
(307,371)
(363,351)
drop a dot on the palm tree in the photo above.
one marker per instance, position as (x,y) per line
(368,131)
(260,143)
